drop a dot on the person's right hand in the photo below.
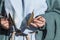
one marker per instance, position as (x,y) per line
(5,23)
(38,22)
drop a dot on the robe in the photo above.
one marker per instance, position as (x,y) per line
(23,9)
(51,31)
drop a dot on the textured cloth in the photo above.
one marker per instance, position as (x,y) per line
(19,9)
(51,30)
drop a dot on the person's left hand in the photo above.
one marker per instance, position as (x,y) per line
(5,23)
(38,22)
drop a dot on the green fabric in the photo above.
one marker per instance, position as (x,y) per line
(52,27)
(1,3)
(3,37)
(4,34)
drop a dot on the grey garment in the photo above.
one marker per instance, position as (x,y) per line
(52,17)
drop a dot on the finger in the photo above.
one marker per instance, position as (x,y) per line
(6,25)
(4,22)
(37,21)
(42,19)
(38,17)
(33,24)
(39,25)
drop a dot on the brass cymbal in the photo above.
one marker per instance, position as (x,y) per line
(30,19)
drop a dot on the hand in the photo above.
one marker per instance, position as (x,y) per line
(5,23)
(38,22)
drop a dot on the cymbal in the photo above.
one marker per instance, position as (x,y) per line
(30,19)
